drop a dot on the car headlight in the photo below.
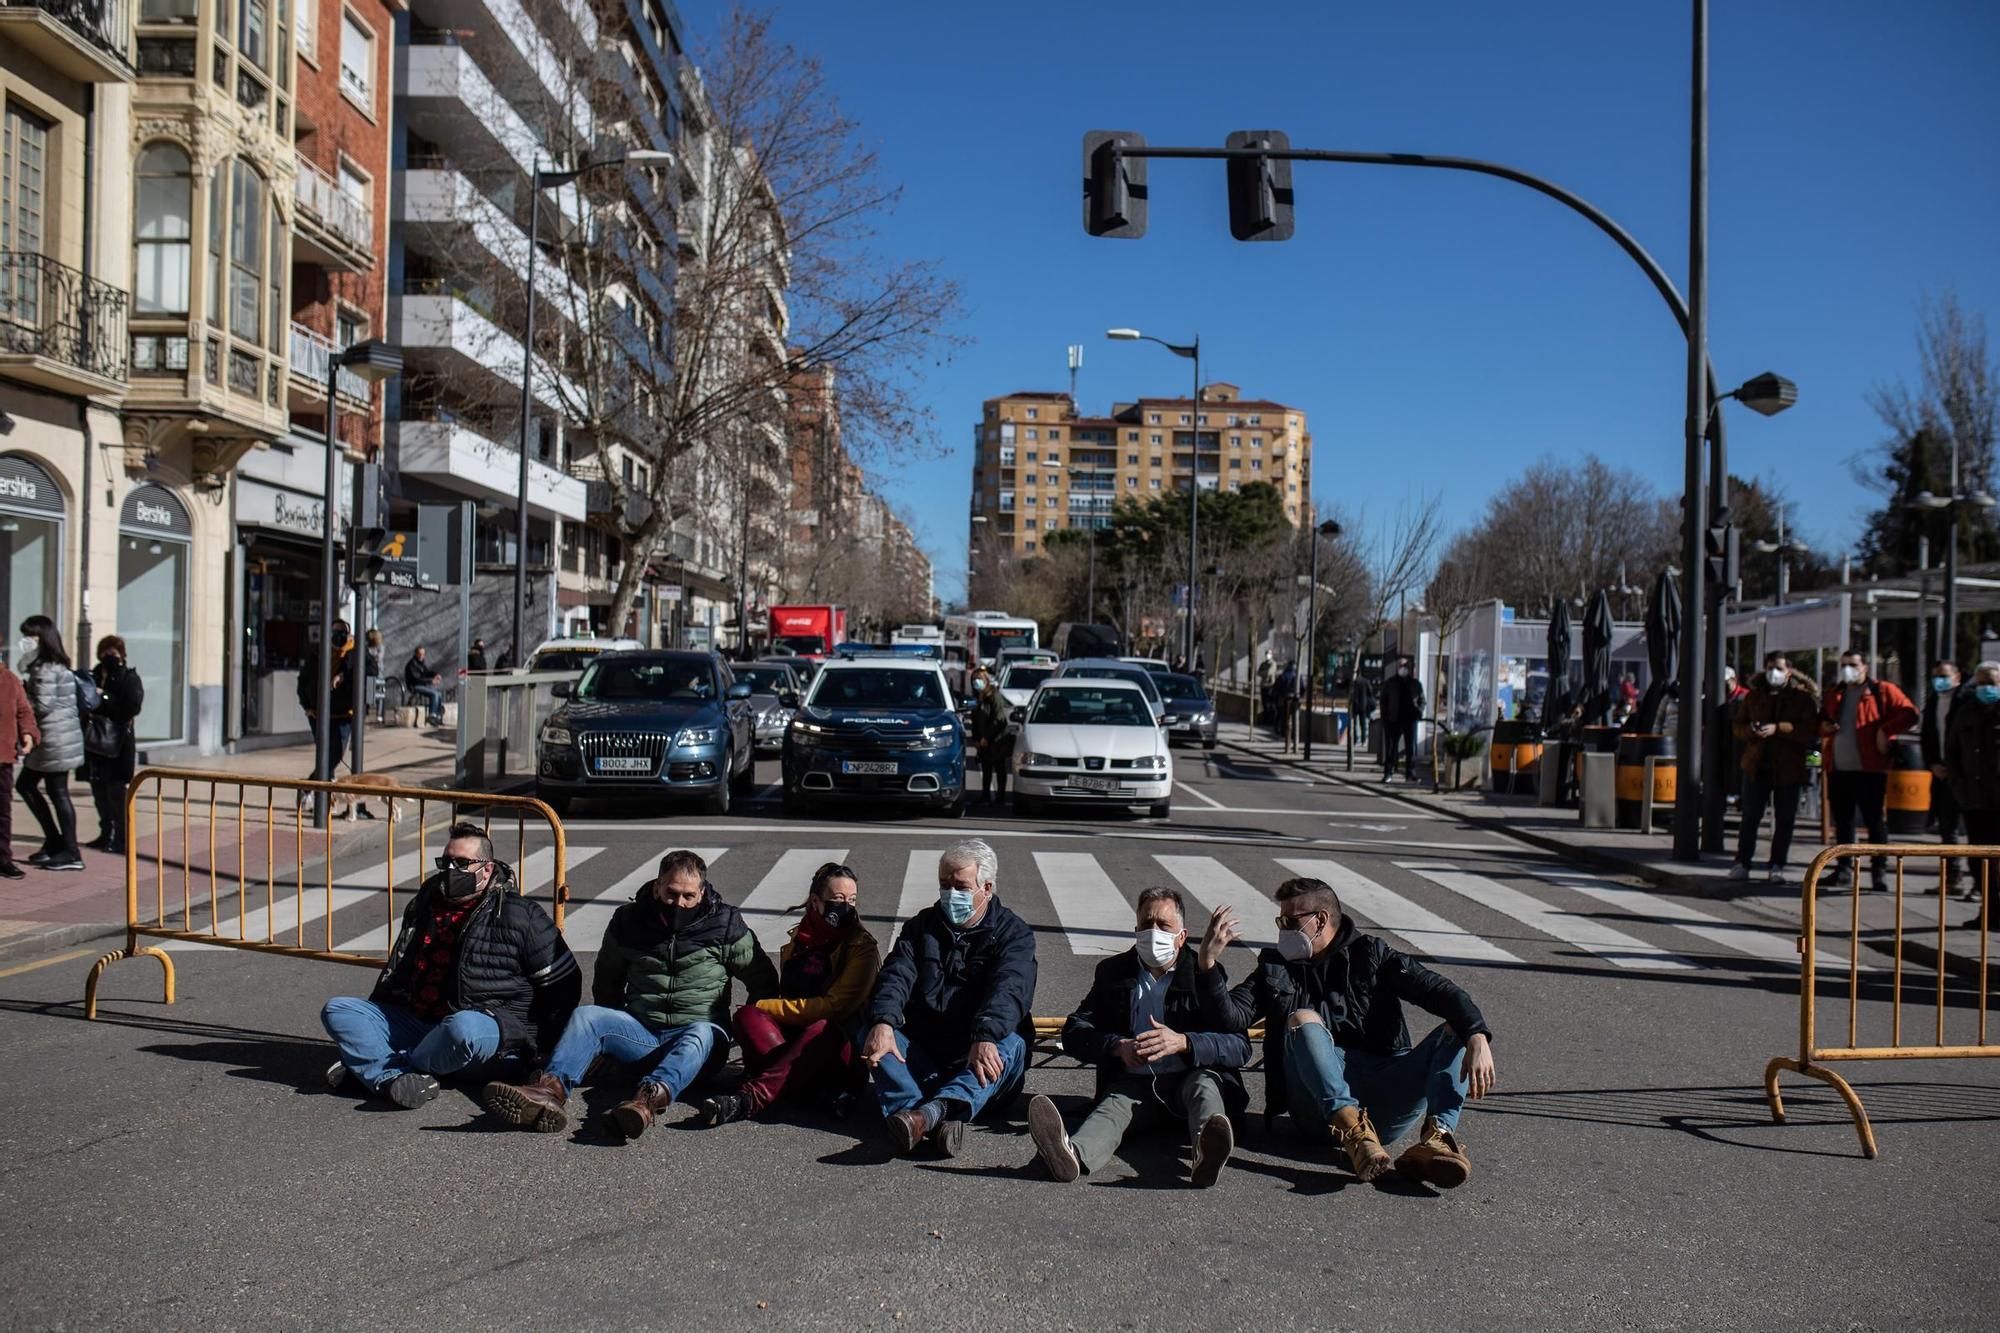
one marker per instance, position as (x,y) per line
(803,727)
(1159,761)
(1031,758)
(1206,716)
(555,735)
(695,736)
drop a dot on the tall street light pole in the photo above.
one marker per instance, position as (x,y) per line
(1954,504)
(1192,351)
(1329,528)
(543,180)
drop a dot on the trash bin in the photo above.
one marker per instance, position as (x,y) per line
(1517,757)
(1633,751)
(1909,795)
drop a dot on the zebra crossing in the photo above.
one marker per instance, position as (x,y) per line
(1081,902)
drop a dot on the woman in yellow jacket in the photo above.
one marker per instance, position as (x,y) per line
(793,1041)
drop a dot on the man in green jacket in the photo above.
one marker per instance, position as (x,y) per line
(662,996)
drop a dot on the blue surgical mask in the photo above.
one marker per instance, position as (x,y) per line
(1987,694)
(1939,684)
(956,905)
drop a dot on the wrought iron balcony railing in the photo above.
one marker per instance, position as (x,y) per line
(105,24)
(51,310)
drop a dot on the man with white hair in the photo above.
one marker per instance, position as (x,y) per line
(948,1026)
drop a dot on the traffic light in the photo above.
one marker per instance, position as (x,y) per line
(372,549)
(1114,184)
(1722,549)
(1260,188)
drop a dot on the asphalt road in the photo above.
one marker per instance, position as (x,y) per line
(184,1165)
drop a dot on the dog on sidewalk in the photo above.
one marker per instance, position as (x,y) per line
(357,806)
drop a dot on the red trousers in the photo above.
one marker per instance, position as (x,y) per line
(779,1059)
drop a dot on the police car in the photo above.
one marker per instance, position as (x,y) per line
(876,728)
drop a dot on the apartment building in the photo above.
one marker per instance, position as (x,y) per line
(1039,467)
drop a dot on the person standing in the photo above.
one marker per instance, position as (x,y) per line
(475,658)
(1267,681)
(993,734)
(1930,734)
(1402,708)
(18,735)
(342,700)
(1972,760)
(1360,707)
(111,742)
(1859,722)
(53,687)
(420,682)
(1285,701)
(1774,725)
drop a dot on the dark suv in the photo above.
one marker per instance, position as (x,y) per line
(877,729)
(637,723)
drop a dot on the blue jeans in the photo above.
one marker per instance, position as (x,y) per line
(379,1041)
(918,1078)
(1395,1090)
(433,698)
(671,1057)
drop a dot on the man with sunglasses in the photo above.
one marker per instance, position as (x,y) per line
(478,973)
(1337,1053)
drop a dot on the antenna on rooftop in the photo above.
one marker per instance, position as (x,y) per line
(1075,364)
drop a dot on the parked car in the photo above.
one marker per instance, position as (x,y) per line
(1091,741)
(660,723)
(1018,681)
(804,668)
(1190,712)
(877,729)
(1115,668)
(575,652)
(774,693)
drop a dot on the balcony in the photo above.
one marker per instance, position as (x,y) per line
(86,40)
(335,228)
(60,329)
(312,357)
(457,457)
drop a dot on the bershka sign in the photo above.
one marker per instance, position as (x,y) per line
(259,504)
(25,485)
(156,510)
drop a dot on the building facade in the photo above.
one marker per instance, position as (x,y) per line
(1039,467)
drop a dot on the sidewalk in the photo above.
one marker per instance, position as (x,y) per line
(55,910)
(1648,857)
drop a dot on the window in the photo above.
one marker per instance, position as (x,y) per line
(1156,483)
(1131,483)
(1235,462)
(1031,452)
(24,210)
(246,251)
(1032,502)
(353,184)
(1028,546)
(1154,440)
(1031,431)
(1236,442)
(1204,418)
(1055,432)
(1033,413)
(1031,524)
(218,190)
(167,11)
(1155,462)
(357,60)
(305,29)
(1293,487)
(1256,420)
(1235,485)
(1132,460)
(1230,419)
(1131,437)
(1054,522)
(350,328)
(1050,480)
(1256,465)
(1152,418)
(1054,458)
(253,37)
(1256,442)
(1184,418)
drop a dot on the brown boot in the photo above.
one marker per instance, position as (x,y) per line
(540,1105)
(1437,1158)
(1365,1153)
(633,1118)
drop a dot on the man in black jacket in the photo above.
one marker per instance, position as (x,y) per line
(1402,705)
(1336,1050)
(948,1026)
(1144,1026)
(1938,702)
(479,972)
(420,682)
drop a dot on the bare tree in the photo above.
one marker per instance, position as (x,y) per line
(1957,395)
(1399,557)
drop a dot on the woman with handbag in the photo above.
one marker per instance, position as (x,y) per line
(110,741)
(57,694)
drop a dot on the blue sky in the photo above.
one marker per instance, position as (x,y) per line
(1441,330)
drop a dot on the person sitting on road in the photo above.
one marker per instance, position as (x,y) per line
(949,1022)
(478,972)
(662,995)
(794,1040)
(1337,1053)
(1145,1028)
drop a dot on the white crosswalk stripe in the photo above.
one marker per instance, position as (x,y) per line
(1214,885)
(292,920)
(1754,941)
(535,872)
(920,890)
(1583,932)
(1095,916)
(586,922)
(1423,930)
(768,906)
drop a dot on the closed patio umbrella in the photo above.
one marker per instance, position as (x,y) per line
(1597,660)
(1663,639)
(1555,699)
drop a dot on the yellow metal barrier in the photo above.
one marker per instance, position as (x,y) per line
(1813,1057)
(197,810)
(1048,1028)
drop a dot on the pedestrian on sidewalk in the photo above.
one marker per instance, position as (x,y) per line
(420,682)
(18,735)
(475,657)
(1402,709)
(795,1043)
(1777,726)
(111,742)
(993,734)
(1972,758)
(1931,734)
(1859,722)
(53,689)
(1360,707)
(1286,696)
(1267,682)
(342,694)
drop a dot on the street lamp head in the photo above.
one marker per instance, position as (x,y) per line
(1768,394)
(1980,500)
(373,360)
(1123,335)
(647,155)
(1926,500)
(1330,528)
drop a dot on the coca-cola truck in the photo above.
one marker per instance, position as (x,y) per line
(807,631)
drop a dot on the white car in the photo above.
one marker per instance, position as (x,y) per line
(1018,681)
(1153,664)
(1091,741)
(576,653)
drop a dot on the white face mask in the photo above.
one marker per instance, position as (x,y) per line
(1158,948)
(1850,675)
(1778,676)
(1295,945)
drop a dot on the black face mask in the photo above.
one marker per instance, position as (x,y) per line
(460,883)
(676,918)
(837,915)
(340,638)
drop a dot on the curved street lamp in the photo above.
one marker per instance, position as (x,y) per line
(1192,351)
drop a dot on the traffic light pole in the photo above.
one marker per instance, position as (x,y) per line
(329,588)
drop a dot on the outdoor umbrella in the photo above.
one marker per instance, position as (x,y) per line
(1597,661)
(1663,640)
(1555,699)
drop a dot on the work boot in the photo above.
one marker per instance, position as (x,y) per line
(1211,1150)
(1045,1127)
(636,1115)
(1436,1158)
(948,1137)
(906,1129)
(542,1105)
(1353,1132)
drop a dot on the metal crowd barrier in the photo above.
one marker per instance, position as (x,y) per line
(237,902)
(1048,1029)
(1813,1057)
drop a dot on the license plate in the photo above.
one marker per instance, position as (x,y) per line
(632,765)
(870,767)
(1095,784)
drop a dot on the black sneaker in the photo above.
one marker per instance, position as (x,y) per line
(949,1137)
(337,1075)
(411,1090)
(8,870)
(1211,1150)
(102,842)
(723,1109)
(69,861)
(40,858)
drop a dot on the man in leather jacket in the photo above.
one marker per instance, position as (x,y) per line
(478,973)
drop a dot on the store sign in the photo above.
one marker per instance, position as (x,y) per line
(267,506)
(156,510)
(24,484)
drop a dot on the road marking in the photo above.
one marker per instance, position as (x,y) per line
(1755,941)
(1213,805)
(1422,929)
(920,890)
(19,968)
(768,906)
(1585,933)
(1094,914)
(1466,845)
(584,925)
(288,921)
(379,938)
(1214,885)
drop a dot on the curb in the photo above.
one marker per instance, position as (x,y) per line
(52,938)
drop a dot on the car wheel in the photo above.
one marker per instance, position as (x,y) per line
(1161,809)
(956,810)
(746,782)
(717,802)
(558,801)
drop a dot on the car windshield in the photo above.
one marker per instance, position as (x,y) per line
(565,659)
(1179,687)
(800,643)
(865,687)
(1137,675)
(615,679)
(1092,706)
(1025,677)
(765,679)
(991,641)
